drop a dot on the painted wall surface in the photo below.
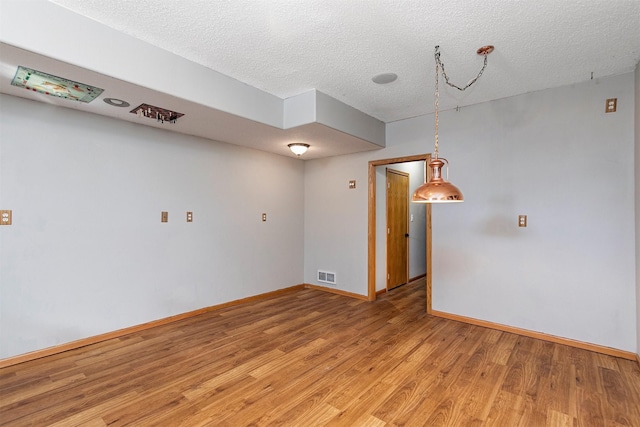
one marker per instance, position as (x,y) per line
(87,253)
(417,227)
(553,155)
(637,199)
(557,157)
(335,228)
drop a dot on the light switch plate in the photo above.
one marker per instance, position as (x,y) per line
(164,217)
(352,184)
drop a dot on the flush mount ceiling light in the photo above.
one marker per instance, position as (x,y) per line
(298,148)
(383,79)
(59,87)
(437,189)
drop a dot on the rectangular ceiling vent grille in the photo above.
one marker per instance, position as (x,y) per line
(326,277)
(160,114)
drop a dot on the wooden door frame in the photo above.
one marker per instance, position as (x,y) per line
(406,231)
(371,294)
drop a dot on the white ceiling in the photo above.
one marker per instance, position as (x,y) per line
(288,47)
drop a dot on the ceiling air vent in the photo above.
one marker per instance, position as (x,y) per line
(160,114)
(326,277)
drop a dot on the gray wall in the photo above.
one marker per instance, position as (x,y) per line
(553,155)
(87,253)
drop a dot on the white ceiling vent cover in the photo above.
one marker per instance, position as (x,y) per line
(326,277)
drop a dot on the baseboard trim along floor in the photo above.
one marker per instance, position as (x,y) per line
(37,354)
(539,335)
(14,360)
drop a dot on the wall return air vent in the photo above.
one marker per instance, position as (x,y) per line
(326,277)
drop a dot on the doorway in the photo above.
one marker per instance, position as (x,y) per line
(397,228)
(372,206)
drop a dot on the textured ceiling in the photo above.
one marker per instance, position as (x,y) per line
(286,47)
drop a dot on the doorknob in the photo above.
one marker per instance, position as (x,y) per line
(406,234)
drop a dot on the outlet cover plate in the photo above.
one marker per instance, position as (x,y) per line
(522,220)
(5,217)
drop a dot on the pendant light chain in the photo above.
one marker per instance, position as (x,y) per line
(484,51)
(437,99)
(446,78)
(437,189)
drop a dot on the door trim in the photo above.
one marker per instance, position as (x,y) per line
(371,294)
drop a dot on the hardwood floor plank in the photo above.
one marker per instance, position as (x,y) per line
(503,347)
(617,397)
(479,393)
(590,413)
(403,383)
(558,419)
(18,395)
(505,410)
(319,416)
(307,357)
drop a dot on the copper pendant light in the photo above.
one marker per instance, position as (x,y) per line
(437,189)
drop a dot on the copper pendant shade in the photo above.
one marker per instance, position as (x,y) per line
(437,189)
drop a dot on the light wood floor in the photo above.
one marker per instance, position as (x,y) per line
(310,358)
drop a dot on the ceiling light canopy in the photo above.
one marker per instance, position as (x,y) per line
(437,189)
(298,148)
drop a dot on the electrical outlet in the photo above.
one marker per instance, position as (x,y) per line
(522,220)
(164,217)
(189,216)
(352,184)
(5,217)
(612,103)
(264,217)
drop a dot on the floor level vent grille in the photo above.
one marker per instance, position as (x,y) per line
(326,277)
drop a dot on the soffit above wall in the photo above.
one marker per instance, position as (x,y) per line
(215,106)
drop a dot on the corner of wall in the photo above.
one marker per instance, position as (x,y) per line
(637,200)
